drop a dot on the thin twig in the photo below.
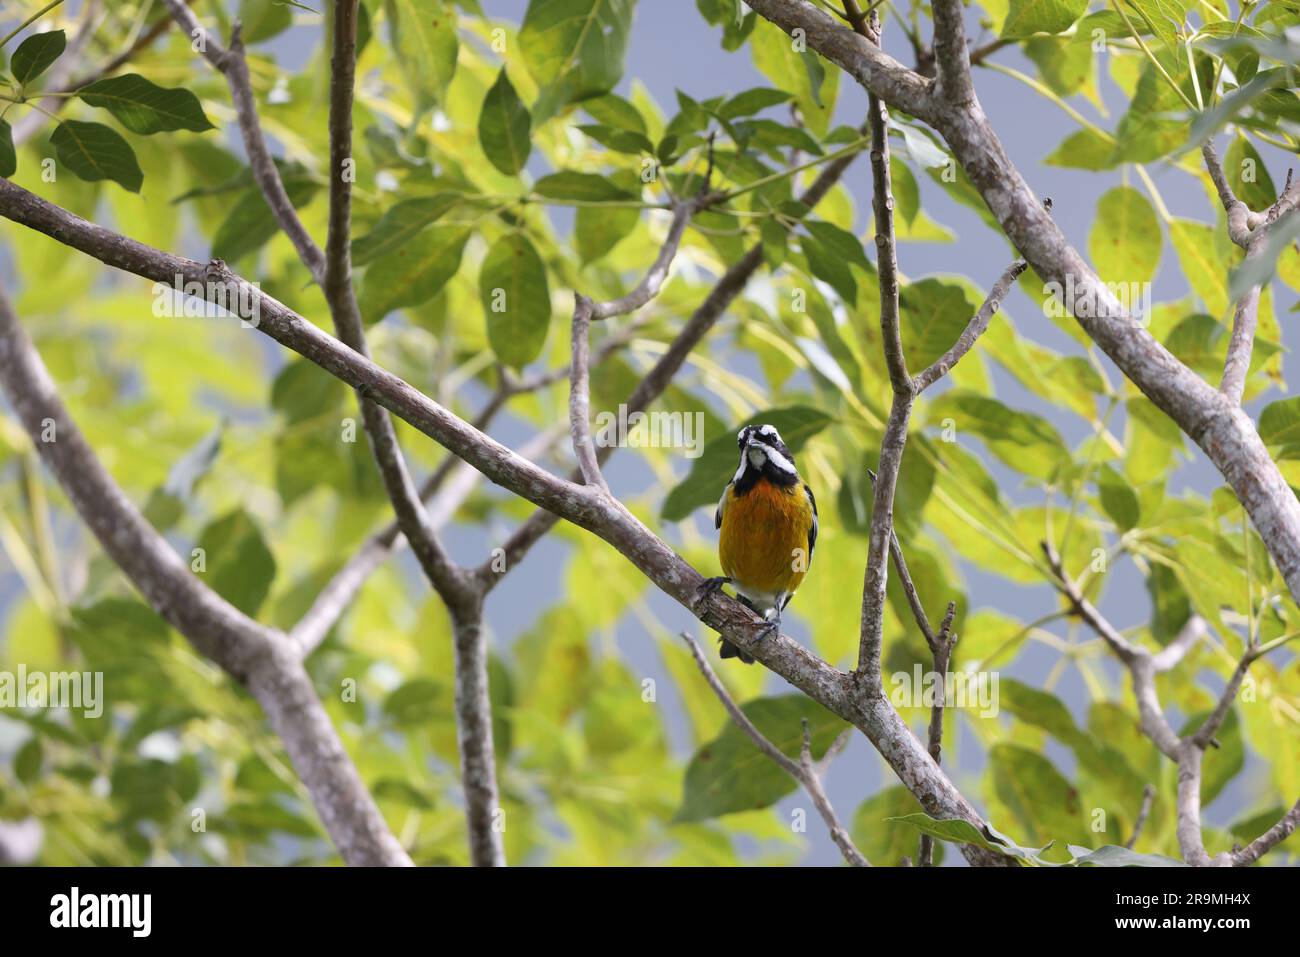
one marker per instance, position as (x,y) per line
(1148,795)
(803,770)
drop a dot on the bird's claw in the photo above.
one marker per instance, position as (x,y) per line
(710,585)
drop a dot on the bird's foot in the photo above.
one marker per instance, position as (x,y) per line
(710,585)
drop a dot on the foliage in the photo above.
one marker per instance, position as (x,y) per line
(519,160)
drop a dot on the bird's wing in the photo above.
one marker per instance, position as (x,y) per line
(812,529)
(722,506)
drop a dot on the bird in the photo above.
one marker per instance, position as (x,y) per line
(767,524)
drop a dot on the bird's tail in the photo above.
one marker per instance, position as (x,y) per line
(728,650)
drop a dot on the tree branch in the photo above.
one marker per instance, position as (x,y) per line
(232,64)
(876,575)
(1226,434)
(803,770)
(580,397)
(952,57)
(941,650)
(720,297)
(974,329)
(1274,836)
(1186,751)
(1148,795)
(840,693)
(257,657)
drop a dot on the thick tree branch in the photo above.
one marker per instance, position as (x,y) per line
(445,490)
(257,657)
(804,771)
(881,74)
(580,397)
(1221,429)
(952,57)
(840,693)
(464,602)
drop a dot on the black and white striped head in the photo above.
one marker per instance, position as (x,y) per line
(762,453)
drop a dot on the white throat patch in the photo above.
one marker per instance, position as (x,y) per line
(758,455)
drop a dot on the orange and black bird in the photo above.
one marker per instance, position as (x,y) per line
(768,522)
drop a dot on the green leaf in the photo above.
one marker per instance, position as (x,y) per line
(825,263)
(516,299)
(840,242)
(418,702)
(1248,175)
(581,187)
(1112,855)
(264,816)
(250,224)
(414,273)
(28,760)
(1024,441)
(1027,17)
(151,789)
(1064,63)
(1202,265)
(144,107)
(504,127)
(8,156)
(1118,499)
(35,54)
(303,390)
(574,49)
(1083,149)
(427,46)
(752,101)
(730,774)
(1170,607)
(1125,238)
(240,567)
(717,462)
(956,831)
(612,110)
(934,315)
(1279,423)
(401,223)
(880,842)
(621,141)
(1045,804)
(93,152)
(264,19)
(801,73)
(597,230)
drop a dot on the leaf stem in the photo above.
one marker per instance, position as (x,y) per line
(29,21)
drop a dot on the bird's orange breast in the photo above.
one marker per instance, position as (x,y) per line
(763,545)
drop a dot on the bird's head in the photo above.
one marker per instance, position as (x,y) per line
(762,451)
